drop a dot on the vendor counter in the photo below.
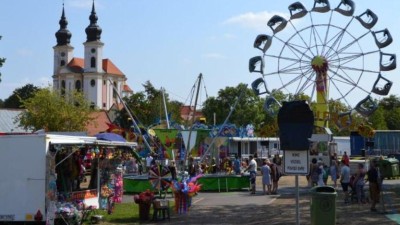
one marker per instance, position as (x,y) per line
(136,183)
(209,182)
(217,182)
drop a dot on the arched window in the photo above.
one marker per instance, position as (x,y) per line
(78,85)
(62,63)
(63,87)
(93,62)
(92,83)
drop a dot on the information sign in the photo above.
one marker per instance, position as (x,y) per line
(296,162)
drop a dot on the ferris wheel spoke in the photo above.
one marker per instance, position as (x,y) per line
(308,81)
(344,78)
(294,70)
(345,59)
(301,37)
(354,85)
(316,35)
(339,90)
(294,49)
(290,82)
(338,40)
(351,43)
(354,69)
(285,58)
(327,34)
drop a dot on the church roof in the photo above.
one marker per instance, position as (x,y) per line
(126,88)
(77,65)
(109,67)
(98,124)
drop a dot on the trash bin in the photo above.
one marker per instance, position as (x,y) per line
(323,205)
(389,167)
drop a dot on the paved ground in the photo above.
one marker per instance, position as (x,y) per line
(243,208)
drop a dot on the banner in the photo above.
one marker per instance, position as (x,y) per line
(198,144)
(167,138)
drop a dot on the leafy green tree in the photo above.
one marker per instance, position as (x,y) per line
(392,118)
(51,111)
(390,102)
(377,119)
(147,108)
(20,94)
(2,61)
(248,110)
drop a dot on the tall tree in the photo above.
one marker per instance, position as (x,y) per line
(247,111)
(147,108)
(377,119)
(51,111)
(2,61)
(20,94)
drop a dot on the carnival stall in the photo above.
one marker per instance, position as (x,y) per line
(42,174)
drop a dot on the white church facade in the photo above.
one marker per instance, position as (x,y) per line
(93,75)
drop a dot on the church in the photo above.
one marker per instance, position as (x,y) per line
(95,76)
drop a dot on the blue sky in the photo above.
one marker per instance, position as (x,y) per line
(166,42)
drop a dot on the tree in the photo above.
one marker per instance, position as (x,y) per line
(51,111)
(20,94)
(2,61)
(392,119)
(147,108)
(377,119)
(390,102)
(248,110)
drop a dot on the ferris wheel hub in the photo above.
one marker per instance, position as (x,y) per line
(319,64)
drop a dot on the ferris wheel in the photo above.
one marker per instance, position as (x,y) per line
(324,54)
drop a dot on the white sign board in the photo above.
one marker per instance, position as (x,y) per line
(296,162)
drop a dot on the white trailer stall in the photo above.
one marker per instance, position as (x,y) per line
(27,168)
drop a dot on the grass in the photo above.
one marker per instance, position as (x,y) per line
(124,213)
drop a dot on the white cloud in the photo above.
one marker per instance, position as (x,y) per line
(213,56)
(257,21)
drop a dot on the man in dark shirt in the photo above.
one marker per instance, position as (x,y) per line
(374,185)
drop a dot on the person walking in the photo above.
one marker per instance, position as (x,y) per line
(346,158)
(275,175)
(345,180)
(252,168)
(374,180)
(266,176)
(359,183)
(334,172)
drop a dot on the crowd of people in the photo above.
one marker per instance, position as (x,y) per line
(352,182)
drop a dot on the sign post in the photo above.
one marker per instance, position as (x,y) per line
(296,162)
(296,123)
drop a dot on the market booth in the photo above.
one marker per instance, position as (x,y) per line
(42,176)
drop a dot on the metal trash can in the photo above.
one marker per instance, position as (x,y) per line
(323,205)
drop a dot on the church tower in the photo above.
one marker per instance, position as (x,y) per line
(63,51)
(93,80)
(92,75)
